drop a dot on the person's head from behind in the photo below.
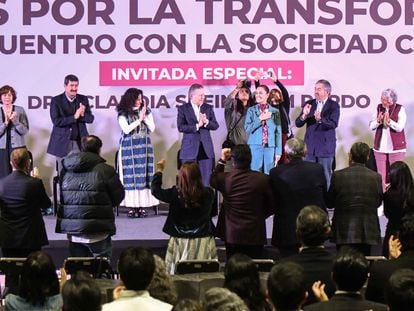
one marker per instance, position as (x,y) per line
(162,286)
(91,143)
(400,177)
(286,286)
(187,305)
(190,183)
(312,226)
(350,269)
(136,267)
(295,148)
(20,160)
(81,293)
(406,232)
(242,277)
(399,291)
(71,84)
(222,299)
(359,153)
(241,156)
(38,279)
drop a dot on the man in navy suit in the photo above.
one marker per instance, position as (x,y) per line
(69,112)
(321,116)
(195,119)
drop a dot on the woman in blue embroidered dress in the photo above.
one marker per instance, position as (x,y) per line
(136,155)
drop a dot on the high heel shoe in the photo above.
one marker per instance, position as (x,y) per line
(133,213)
(142,212)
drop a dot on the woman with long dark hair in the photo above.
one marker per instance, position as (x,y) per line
(189,221)
(136,155)
(398,199)
(39,285)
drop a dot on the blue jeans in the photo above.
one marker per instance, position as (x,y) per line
(326,164)
(99,249)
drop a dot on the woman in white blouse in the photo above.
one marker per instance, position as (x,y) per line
(136,155)
(388,123)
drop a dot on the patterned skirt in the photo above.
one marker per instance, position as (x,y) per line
(189,249)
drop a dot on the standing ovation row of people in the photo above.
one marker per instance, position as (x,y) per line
(135,160)
(13,128)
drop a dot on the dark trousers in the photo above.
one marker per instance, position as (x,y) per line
(204,163)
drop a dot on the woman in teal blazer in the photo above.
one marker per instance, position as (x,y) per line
(265,133)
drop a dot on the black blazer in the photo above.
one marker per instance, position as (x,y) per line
(382,270)
(182,222)
(317,263)
(346,302)
(295,185)
(21,224)
(62,115)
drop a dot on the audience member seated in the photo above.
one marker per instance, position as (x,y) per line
(312,230)
(286,286)
(162,286)
(399,292)
(242,277)
(222,299)
(136,266)
(188,305)
(81,293)
(189,221)
(349,272)
(39,285)
(381,271)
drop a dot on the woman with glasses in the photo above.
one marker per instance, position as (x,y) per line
(265,133)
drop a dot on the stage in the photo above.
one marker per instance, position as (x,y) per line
(147,232)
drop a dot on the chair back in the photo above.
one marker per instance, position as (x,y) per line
(264,265)
(197,266)
(98,267)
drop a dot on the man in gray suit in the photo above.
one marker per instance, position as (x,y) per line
(356,193)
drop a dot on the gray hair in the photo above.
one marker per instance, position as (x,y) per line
(327,86)
(295,148)
(390,94)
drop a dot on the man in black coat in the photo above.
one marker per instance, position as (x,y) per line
(296,184)
(381,271)
(349,272)
(312,229)
(22,198)
(356,193)
(90,189)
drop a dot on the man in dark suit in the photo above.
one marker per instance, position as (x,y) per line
(69,112)
(349,272)
(195,120)
(295,185)
(22,198)
(247,202)
(399,291)
(321,116)
(355,194)
(381,271)
(313,228)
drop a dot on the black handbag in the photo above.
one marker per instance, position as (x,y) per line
(228,143)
